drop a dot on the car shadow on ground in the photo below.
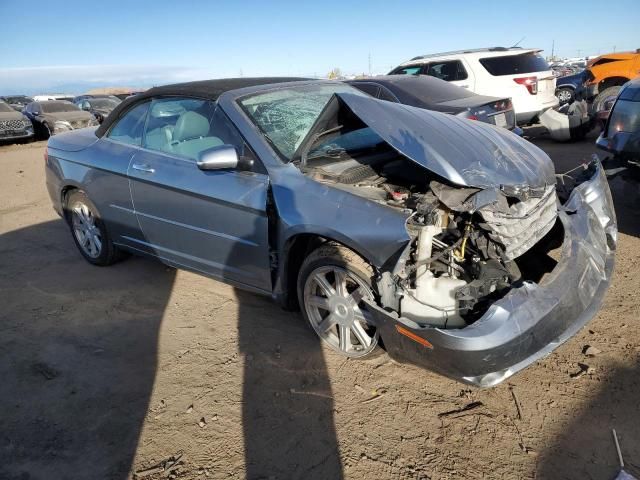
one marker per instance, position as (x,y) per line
(78,355)
(288,407)
(585,448)
(78,359)
(287,401)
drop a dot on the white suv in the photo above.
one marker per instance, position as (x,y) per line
(519,73)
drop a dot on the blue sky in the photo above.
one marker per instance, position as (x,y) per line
(73,45)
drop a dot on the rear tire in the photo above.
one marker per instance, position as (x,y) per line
(89,231)
(565,95)
(604,100)
(331,284)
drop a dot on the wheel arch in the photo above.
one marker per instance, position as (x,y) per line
(612,82)
(295,249)
(65,193)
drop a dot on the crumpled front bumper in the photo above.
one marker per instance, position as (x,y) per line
(531,320)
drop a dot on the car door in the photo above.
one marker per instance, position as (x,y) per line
(214,222)
(110,159)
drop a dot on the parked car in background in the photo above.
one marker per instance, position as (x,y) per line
(607,73)
(99,106)
(520,74)
(384,223)
(434,94)
(14,125)
(57,116)
(570,86)
(621,133)
(562,71)
(87,96)
(17,102)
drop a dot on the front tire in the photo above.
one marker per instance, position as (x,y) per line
(89,232)
(332,282)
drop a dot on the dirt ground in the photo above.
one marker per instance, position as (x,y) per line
(113,372)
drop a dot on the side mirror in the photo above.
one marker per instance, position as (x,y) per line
(222,157)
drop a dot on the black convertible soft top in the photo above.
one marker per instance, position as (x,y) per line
(209,89)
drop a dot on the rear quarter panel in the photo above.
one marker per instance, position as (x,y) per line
(100,170)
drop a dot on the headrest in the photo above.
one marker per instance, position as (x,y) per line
(190,125)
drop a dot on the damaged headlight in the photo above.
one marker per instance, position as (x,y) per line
(61,126)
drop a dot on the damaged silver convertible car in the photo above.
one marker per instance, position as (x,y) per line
(446,241)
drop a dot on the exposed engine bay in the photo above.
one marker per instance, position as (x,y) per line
(467,244)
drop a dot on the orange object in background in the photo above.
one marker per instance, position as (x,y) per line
(607,74)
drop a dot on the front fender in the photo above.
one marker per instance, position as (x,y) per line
(376,232)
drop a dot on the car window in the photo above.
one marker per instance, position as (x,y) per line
(285,115)
(515,64)
(129,128)
(370,88)
(448,71)
(385,94)
(186,127)
(625,117)
(412,70)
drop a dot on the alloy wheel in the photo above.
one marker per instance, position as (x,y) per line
(86,231)
(333,303)
(564,96)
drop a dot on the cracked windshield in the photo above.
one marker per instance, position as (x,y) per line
(286,116)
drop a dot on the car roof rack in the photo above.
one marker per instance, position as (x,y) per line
(472,50)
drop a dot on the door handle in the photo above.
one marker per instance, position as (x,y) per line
(143,167)
(464,86)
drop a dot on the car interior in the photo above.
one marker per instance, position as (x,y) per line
(181,127)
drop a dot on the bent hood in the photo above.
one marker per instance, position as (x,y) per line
(465,152)
(11,116)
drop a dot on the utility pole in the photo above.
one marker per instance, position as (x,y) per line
(553,45)
(369,63)
(614,49)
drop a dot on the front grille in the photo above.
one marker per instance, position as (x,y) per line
(523,224)
(12,125)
